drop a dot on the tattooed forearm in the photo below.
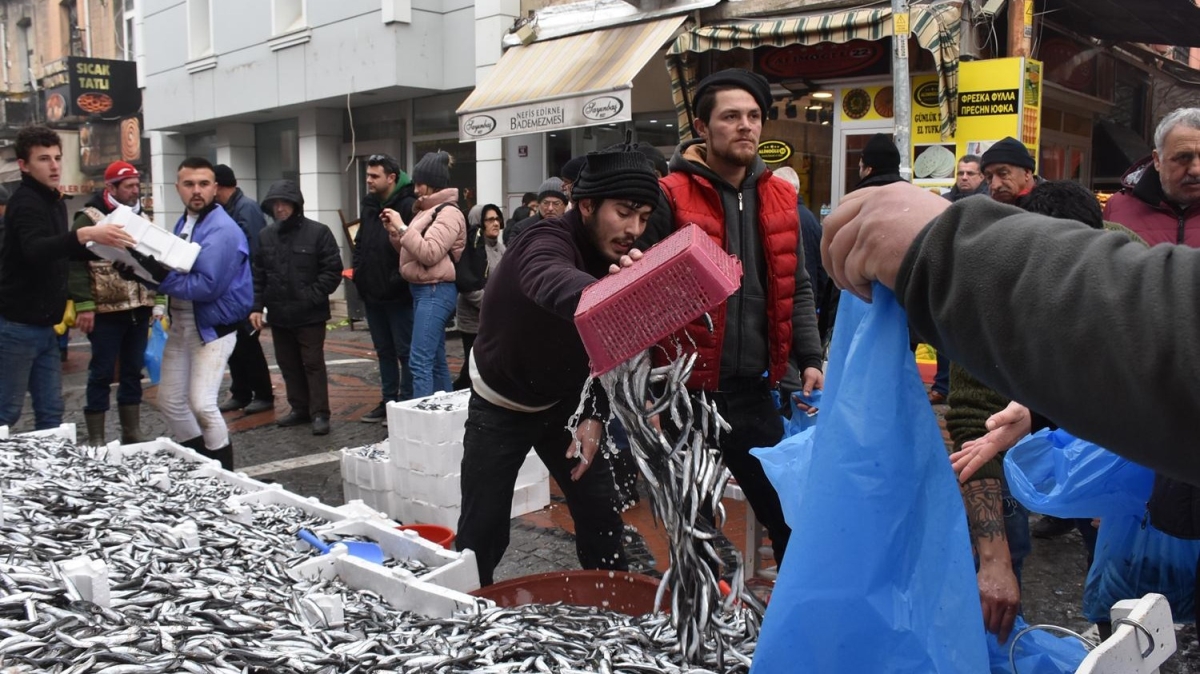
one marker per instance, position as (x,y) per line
(984,500)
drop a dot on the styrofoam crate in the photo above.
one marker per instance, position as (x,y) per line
(62,431)
(434,419)
(456,570)
(426,513)
(399,588)
(277,494)
(438,490)
(530,498)
(205,466)
(164,246)
(675,282)
(441,459)
(532,470)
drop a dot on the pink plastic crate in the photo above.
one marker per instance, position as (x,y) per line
(677,281)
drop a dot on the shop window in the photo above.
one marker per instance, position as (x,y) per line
(128,15)
(277,151)
(436,114)
(200,36)
(287,16)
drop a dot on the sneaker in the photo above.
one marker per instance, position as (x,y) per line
(376,416)
(1051,527)
(320,425)
(232,405)
(293,418)
(259,405)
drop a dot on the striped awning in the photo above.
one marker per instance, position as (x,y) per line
(935,26)
(573,81)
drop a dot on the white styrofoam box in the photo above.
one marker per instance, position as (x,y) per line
(530,498)
(205,467)
(90,577)
(413,512)
(63,431)
(532,470)
(151,239)
(438,490)
(359,469)
(397,587)
(447,568)
(275,493)
(435,419)
(431,459)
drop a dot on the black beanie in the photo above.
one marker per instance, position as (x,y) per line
(881,155)
(433,170)
(754,83)
(618,175)
(224,176)
(1007,151)
(655,156)
(570,170)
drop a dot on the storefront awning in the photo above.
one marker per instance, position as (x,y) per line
(935,27)
(1172,22)
(565,83)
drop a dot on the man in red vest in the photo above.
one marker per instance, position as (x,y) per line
(765,335)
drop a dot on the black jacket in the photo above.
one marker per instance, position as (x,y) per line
(35,248)
(956,194)
(297,266)
(471,270)
(376,262)
(510,232)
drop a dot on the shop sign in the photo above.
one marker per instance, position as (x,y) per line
(774,151)
(998,98)
(933,160)
(543,116)
(103,142)
(824,60)
(867,104)
(102,87)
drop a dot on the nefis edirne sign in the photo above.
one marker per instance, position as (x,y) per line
(543,116)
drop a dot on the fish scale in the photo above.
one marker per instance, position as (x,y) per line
(228,605)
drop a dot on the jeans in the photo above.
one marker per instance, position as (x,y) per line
(433,305)
(30,361)
(250,379)
(300,353)
(1016,530)
(941,380)
(494,447)
(391,326)
(117,337)
(191,380)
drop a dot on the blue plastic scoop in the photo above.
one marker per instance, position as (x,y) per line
(370,552)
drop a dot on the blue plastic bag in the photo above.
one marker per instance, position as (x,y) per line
(879,575)
(1038,652)
(801,420)
(154,350)
(1133,559)
(1055,473)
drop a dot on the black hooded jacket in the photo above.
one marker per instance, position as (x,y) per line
(376,262)
(298,264)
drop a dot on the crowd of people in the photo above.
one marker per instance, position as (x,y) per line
(1027,256)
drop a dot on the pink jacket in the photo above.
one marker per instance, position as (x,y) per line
(429,247)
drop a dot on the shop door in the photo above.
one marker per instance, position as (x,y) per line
(849,151)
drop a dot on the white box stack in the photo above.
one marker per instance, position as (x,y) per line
(152,240)
(425,444)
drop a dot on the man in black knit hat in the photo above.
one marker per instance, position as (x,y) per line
(880,162)
(1008,170)
(528,366)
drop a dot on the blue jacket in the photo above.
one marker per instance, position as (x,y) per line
(219,285)
(247,214)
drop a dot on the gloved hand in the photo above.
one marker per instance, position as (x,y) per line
(158,311)
(126,272)
(153,267)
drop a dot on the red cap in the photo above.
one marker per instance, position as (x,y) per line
(118,171)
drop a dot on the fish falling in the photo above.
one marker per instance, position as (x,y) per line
(226,602)
(687,480)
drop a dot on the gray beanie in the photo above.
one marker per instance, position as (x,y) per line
(433,170)
(553,187)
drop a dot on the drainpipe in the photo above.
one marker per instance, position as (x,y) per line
(87,28)
(902,85)
(1020,27)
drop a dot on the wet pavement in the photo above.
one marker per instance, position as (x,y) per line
(541,541)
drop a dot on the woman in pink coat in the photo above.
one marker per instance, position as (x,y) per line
(429,246)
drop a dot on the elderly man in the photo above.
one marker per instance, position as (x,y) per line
(1163,205)
(1008,170)
(968,179)
(552,203)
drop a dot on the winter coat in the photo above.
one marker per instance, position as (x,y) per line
(1143,207)
(297,267)
(479,259)
(247,214)
(35,247)
(95,285)
(510,232)
(956,194)
(219,285)
(771,318)
(376,263)
(434,240)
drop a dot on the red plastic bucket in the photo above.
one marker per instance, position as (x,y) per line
(443,536)
(620,591)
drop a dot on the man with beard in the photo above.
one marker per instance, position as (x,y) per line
(114,314)
(769,325)
(528,367)
(206,304)
(385,294)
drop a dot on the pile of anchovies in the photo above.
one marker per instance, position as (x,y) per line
(686,478)
(228,604)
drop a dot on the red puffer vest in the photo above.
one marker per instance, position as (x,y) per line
(694,199)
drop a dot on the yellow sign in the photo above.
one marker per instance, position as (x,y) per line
(999,98)
(774,151)
(900,24)
(933,160)
(863,104)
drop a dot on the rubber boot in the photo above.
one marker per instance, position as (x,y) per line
(222,454)
(95,428)
(196,443)
(131,423)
